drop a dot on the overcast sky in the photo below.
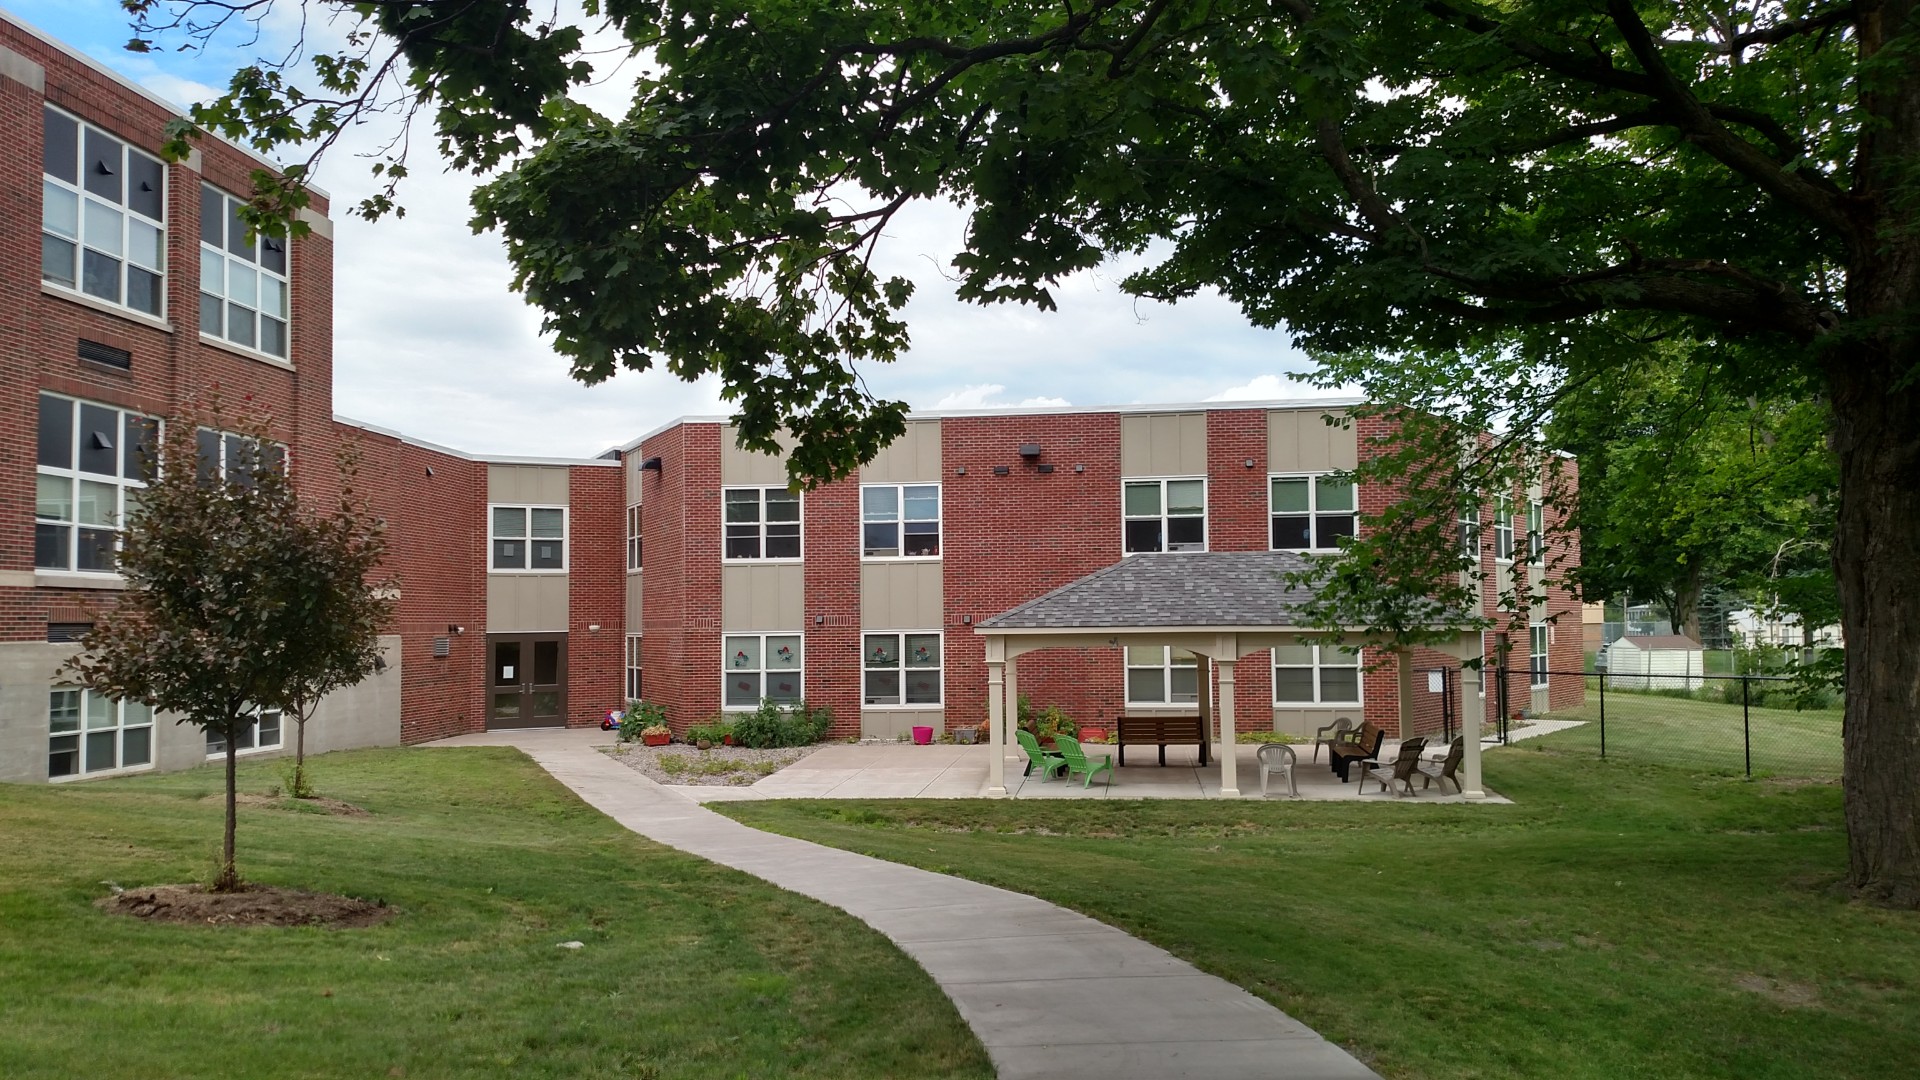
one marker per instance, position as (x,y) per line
(431,341)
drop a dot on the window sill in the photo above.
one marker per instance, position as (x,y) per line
(105,307)
(1162,706)
(221,755)
(241,350)
(103,774)
(74,579)
(901,558)
(1318,704)
(928,707)
(1182,551)
(528,573)
(784,561)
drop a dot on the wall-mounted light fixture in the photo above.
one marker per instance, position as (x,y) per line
(1044,468)
(429,472)
(1248,463)
(961,471)
(1079,468)
(1030,450)
(456,630)
(1002,470)
(819,620)
(379,664)
(652,463)
(593,628)
(968,619)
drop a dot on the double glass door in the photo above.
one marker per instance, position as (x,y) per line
(527,680)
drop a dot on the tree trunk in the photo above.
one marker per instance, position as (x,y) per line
(1686,602)
(229,878)
(300,788)
(1876,559)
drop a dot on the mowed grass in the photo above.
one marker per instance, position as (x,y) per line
(1704,736)
(1620,920)
(688,969)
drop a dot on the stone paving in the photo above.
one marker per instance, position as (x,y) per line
(1051,993)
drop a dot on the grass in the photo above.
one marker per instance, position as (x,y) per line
(1704,736)
(688,970)
(1621,920)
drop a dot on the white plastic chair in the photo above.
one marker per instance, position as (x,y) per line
(1277,758)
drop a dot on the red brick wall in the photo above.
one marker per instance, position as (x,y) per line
(1007,539)
(597,593)
(681,647)
(830,516)
(1237,520)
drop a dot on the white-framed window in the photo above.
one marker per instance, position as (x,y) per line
(1161,675)
(93,461)
(900,521)
(244,287)
(901,668)
(1468,530)
(91,733)
(1503,528)
(263,732)
(760,523)
(633,538)
(1164,515)
(1536,530)
(222,455)
(1311,512)
(529,539)
(760,666)
(1315,675)
(102,216)
(1539,638)
(633,668)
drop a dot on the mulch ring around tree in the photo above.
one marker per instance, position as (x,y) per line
(319,804)
(252,905)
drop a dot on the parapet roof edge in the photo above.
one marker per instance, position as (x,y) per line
(103,69)
(1341,401)
(484,459)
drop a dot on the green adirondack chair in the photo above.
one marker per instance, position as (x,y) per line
(1077,762)
(1036,756)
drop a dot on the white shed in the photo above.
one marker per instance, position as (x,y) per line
(1655,662)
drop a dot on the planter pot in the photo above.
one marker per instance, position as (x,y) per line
(726,740)
(922,736)
(965,736)
(1093,735)
(656,740)
(706,744)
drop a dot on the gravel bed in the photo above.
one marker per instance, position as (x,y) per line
(722,766)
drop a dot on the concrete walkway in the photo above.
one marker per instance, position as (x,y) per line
(1051,993)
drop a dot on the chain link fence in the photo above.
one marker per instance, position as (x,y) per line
(1752,725)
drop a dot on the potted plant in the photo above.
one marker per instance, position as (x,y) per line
(656,735)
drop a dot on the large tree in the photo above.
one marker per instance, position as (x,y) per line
(1559,181)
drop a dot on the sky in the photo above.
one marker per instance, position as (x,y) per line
(430,339)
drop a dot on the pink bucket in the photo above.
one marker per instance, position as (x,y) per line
(922,736)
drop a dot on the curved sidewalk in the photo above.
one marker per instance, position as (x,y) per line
(1051,993)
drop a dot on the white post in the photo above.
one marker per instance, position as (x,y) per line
(996,725)
(1472,705)
(1012,715)
(1229,763)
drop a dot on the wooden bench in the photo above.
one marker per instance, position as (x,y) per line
(1163,730)
(1342,755)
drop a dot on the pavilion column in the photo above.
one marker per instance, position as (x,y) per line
(1013,704)
(1229,762)
(1472,705)
(996,724)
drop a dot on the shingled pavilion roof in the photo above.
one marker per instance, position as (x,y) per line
(1173,589)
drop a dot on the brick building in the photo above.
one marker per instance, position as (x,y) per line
(548,591)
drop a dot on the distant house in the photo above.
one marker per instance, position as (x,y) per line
(1655,662)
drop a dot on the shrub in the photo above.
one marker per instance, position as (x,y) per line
(770,726)
(639,716)
(714,731)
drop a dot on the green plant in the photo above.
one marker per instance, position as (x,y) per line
(716,731)
(640,716)
(1283,737)
(297,779)
(1053,721)
(771,726)
(673,764)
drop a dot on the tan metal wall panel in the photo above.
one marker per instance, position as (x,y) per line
(526,603)
(631,466)
(739,466)
(1163,444)
(762,597)
(1294,720)
(633,602)
(913,458)
(896,724)
(540,485)
(1298,440)
(900,596)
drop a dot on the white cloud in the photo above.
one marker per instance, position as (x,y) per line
(978,395)
(1278,388)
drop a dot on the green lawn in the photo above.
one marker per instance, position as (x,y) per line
(1704,736)
(689,969)
(1621,920)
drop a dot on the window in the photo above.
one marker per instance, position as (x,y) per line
(1537,653)
(1310,513)
(1469,530)
(1161,675)
(529,538)
(1503,528)
(91,733)
(243,280)
(1536,530)
(761,666)
(93,461)
(102,216)
(1164,515)
(262,733)
(762,523)
(1315,675)
(900,520)
(633,538)
(222,455)
(633,667)
(902,669)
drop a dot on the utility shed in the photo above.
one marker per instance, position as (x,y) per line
(1655,662)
